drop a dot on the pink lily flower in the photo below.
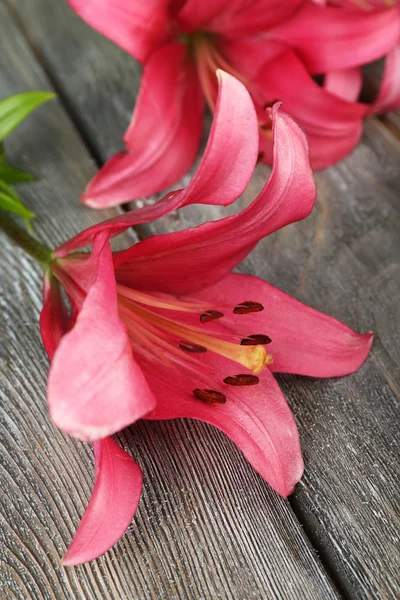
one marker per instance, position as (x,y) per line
(347,83)
(275,48)
(164,330)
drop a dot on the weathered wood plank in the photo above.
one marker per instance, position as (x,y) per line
(344,260)
(207,526)
(353,272)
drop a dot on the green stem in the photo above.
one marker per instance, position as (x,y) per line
(37,250)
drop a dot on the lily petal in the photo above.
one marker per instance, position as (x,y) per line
(234,17)
(95,387)
(248,54)
(114,501)
(54,319)
(231,154)
(304,340)
(345,84)
(331,39)
(324,150)
(257,418)
(224,172)
(188,260)
(135,26)
(163,137)
(333,125)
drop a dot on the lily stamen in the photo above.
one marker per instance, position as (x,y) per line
(192,347)
(157,302)
(210,315)
(209,396)
(242,380)
(254,358)
(248,307)
(151,342)
(253,340)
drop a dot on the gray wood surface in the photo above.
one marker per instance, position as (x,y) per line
(343,260)
(207,525)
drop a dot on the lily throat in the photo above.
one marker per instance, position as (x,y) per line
(184,334)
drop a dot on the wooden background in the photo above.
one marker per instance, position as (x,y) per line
(207,527)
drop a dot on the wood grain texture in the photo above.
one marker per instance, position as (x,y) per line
(207,525)
(343,260)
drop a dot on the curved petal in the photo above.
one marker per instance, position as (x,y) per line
(248,54)
(333,39)
(389,93)
(234,17)
(164,135)
(187,260)
(231,154)
(224,172)
(196,15)
(324,150)
(114,501)
(95,387)
(317,110)
(332,125)
(304,340)
(255,16)
(345,84)
(136,26)
(257,418)
(54,319)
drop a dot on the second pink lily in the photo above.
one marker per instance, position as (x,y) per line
(274,47)
(164,330)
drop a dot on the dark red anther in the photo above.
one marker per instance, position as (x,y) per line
(244,379)
(209,396)
(254,340)
(192,347)
(210,315)
(247,307)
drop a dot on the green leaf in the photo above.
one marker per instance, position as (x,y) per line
(11,202)
(11,175)
(14,109)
